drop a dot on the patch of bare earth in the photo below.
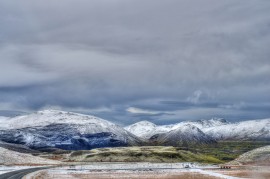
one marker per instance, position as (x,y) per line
(254,173)
(39,175)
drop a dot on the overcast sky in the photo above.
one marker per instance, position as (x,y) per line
(128,60)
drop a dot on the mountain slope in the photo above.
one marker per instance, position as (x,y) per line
(146,129)
(8,157)
(185,135)
(246,130)
(142,128)
(17,148)
(65,130)
(206,123)
(259,156)
(218,129)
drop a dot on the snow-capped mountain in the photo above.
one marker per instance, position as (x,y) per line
(205,123)
(218,129)
(73,131)
(66,130)
(146,129)
(142,128)
(246,130)
(185,135)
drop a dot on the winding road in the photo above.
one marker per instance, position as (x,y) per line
(19,174)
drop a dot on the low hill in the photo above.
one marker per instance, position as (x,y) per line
(17,148)
(140,154)
(8,157)
(259,156)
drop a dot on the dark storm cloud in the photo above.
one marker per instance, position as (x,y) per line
(166,60)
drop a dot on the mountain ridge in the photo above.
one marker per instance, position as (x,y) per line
(217,128)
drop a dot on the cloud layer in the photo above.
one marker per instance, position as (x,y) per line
(185,59)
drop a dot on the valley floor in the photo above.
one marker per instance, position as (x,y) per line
(107,174)
(150,171)
(144,171)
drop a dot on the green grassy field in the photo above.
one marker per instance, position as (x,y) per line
(140,154)
(228,150)
(221,152)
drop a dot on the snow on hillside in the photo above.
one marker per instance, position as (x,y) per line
(185,135)
(85,123)
(253,129)
(47,117)
(8,157)
(66,130)
(218,129)
(205,123)
(141,128)
(146,129)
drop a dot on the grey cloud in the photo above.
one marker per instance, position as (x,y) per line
(147,54)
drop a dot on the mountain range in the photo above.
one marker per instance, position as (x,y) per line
(216,128)
(73,131)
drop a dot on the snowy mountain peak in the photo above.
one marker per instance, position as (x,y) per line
(212,122)
(47,117)
(184,135)
(144,123)
(251,129)
(50,111)
(58,112)
(141,128)
(146,129)
(188,130)
(188,127)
